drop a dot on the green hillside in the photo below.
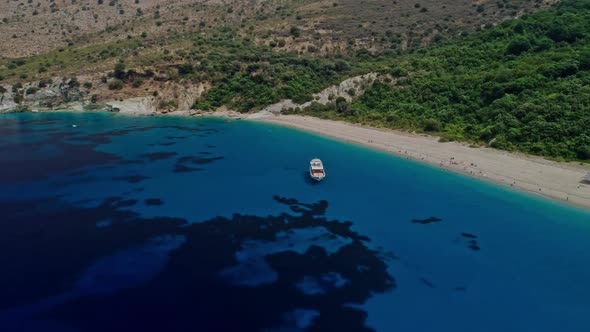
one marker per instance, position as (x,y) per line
(522,85)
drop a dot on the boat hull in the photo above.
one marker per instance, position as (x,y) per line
(316,170)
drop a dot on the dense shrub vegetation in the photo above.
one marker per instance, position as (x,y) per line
(246,76)
(522,85)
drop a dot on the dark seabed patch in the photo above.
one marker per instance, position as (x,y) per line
(131,178)
(106,137)
(179,168)
(184,164)
(189,289)
(57,240)
(153,201)
(66,159)
(427,220)
(473,245)
(79,172)
(73,181)
(470,240)
(36,121)
(118,203)
(154,156)
(426,282)
(469,235)
(197,160)
(70,150)
(131,162)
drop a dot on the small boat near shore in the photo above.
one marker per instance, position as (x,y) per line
(316,169)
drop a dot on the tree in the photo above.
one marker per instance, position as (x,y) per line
(563,32)
(341,65)
(119,70)
(295,32)
(44,82)
(518,46)
(116,85)
(583,152)
(431,125)
(342,105)
(137,82)
(185,69)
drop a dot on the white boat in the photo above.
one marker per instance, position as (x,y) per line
(316,169)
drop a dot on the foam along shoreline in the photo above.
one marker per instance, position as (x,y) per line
(559,181)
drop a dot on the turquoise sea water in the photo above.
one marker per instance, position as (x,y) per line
(177,224)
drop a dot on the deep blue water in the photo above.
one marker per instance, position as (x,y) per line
(175,224)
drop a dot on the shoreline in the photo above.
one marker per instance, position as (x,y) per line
(560,182)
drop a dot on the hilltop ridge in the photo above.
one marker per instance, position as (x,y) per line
(30,27)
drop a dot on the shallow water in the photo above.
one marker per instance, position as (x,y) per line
(163,223)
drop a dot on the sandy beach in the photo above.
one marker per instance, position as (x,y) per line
(559,181)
